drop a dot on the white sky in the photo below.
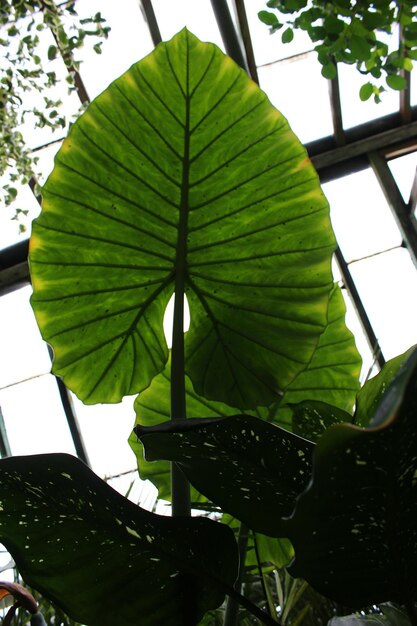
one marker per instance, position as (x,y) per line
(362,221)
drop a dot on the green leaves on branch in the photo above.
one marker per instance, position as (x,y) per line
(355,34)
(103,559)
(222,194)
(27,69)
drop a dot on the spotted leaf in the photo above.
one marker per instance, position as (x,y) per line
(103,559)
(354,528)
(250,468)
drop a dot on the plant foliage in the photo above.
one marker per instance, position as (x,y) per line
(27,66)
(251,247)
(182,178)
(355,33)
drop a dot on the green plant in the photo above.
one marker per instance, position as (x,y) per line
(28,67)
(181,178)
(354,33)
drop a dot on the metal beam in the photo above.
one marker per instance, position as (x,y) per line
(4,440)
(336,110)
(228,32)
(360,309)
(412,203)
(342,160)
(396,203)
(247,39)
(14,270)
(150,18)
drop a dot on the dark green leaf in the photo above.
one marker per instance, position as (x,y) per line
(329,71)
(334,25)
(395,81)
(366,91)
(311,418)
(287,36)
(354,528)
(52,52)
(101,558)
(268,18)
(373,19)
(360,48)
(251,469)
(258,240)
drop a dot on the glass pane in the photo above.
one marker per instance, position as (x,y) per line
(198,17)
(354,111)
(34,417)
(297,89)
(23,352)
(362,221)
(387,285)
(128,41)
(25,207)
(404,170)
(267,47)
(105,429)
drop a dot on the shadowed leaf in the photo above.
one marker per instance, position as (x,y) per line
(251,469)
(101,558)
(354,528)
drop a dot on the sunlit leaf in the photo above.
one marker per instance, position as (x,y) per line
(182,167)
(101,558)
(332,376)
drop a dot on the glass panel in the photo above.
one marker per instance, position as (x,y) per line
(354,111)
(268,47)
(354,324)
(362,220)
(297,89)
(128,41)
(23,352)
(34,417)
(404,170)
(13,230)
(139,491)
(198,17)
(105,429)
(387,285)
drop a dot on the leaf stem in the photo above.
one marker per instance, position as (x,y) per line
(252,608)
(232,606)
(180,489)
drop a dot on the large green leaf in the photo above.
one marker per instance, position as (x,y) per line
(354,528)
(251,469)
(182,169)
(332,376)
(101,558)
